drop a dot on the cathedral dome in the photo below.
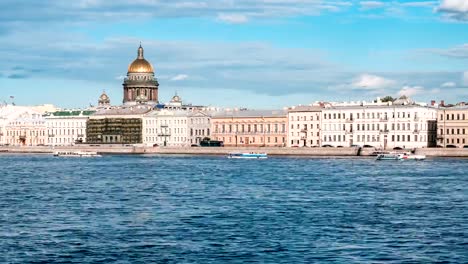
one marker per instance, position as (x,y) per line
(140,65)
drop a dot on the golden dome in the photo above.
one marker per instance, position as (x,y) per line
(140,65)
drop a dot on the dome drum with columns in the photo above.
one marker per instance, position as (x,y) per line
(140,86)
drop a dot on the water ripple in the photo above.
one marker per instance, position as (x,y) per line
(182,209)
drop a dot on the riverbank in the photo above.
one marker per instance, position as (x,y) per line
(117,149)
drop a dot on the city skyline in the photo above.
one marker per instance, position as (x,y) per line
(258,54)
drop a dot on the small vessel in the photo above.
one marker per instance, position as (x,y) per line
(399,156)
(80,154)
(409,156)
(250,155)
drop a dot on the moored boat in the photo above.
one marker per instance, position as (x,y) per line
(399,156)
(80,154)
(250,155)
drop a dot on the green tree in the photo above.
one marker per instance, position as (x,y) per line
(388,98)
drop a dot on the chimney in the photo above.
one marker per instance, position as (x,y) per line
(432,102)
(442,103)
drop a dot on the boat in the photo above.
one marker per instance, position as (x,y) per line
(409,156)
(80,154)
(250,155)
(399,156)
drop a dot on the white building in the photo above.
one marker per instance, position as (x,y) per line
(304,126)
(65,128)
(176,128)
(21,126)
(402,124)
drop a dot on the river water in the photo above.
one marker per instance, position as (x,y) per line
(184,209)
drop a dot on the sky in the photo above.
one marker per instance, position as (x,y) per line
(235,53)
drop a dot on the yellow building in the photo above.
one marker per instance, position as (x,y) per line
(256,128)
(452,127)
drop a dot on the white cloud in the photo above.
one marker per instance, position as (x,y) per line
(454,9)
(420,4)
(180,77)
(371,4)
(449,84)
(465,78)
(410,90)
(233,18)
(457,52)
(371,82)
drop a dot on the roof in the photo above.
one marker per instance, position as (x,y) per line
(125,110)
(377,107)
(71,113)
(305,108)
(250,113)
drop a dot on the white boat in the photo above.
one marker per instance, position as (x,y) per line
(80,154)
(400,156)
(250,155)
(408,156)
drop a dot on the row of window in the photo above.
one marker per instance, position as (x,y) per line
(304,118)
(19,133)
(453,117)
(377,138)
(369,115)
(250,128)
(252,140)
(458,130)
(66,132)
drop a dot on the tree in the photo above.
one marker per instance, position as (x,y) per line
(388,98)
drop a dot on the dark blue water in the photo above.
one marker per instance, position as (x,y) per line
(154,209)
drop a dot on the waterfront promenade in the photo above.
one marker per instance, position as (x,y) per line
(274,151)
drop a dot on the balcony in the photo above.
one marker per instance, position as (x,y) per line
(416,131)
(349,120)
(348,132)
(383,119)
(164,135)
(416,118)
(384,131)
(303,130)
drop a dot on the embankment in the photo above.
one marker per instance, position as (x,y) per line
(320,152)
(189,151)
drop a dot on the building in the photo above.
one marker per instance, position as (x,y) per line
(177,104)
(122,125)
(175,128)
(261,128)
(104,100)
(452,124)
(304,125)
(66,128)
(22,126)
(402,124)
(140,85)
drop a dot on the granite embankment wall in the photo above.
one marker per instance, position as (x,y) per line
(430,152)
(189,151)
(443,152)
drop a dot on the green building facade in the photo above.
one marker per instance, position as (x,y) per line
(114,131)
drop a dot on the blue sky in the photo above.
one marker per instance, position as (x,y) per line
(253,53)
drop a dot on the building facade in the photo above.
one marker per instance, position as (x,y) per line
(66,128)
(122,125)
(22,126)
(245,128)
(175,128)
(452,124)
(383,127)
(140,85)
(304,126)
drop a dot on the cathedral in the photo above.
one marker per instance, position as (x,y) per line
(140,86)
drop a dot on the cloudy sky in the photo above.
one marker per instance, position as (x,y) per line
(253,53)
